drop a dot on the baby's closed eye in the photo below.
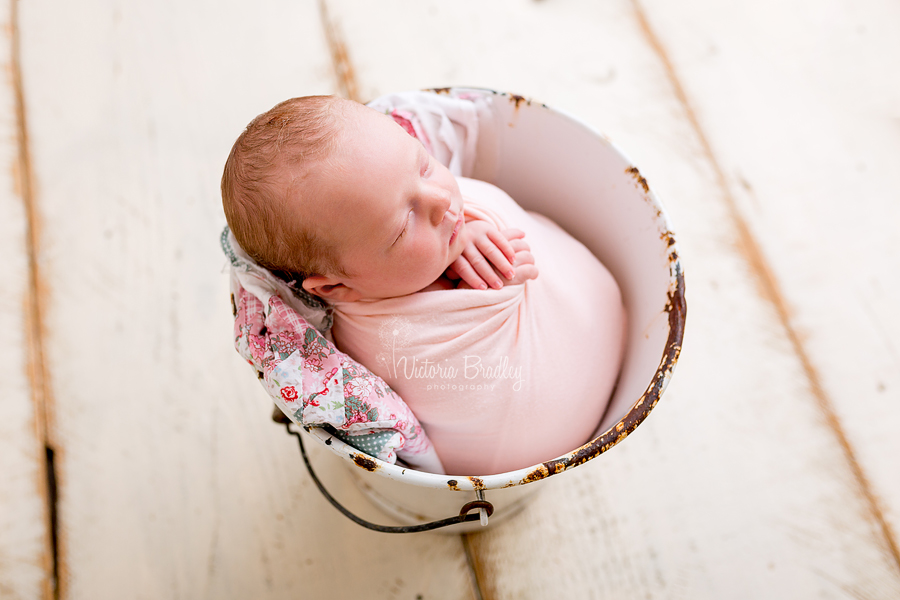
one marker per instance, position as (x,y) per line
(405,228)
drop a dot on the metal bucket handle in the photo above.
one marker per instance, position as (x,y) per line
(484,508)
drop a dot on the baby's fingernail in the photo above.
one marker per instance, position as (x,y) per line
(510,274)
(482,287)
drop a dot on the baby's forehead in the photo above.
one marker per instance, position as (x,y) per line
(304,196)
(359,134)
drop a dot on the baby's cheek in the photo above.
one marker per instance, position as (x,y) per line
(421,263)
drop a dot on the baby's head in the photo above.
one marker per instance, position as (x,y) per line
(342,197)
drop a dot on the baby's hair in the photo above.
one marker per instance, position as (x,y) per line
(295,135)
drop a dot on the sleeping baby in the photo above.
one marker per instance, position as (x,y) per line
(434,286)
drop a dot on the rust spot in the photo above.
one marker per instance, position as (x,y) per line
(365,462)
(633,171)
(233,307)
(477,483)
(517,100)
(555,466)
(536,475)
(443,90)
(453,484)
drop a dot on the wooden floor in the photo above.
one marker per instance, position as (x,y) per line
(771,131)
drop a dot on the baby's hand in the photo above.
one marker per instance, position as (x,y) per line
(524,263)
(486,249)
(490,256)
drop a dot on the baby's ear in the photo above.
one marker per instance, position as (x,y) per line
(329,288)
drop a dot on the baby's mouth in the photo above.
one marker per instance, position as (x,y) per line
(456,228)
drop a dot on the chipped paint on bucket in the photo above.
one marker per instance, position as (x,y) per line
(608,205)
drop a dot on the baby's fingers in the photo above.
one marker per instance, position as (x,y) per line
(502,243)
(523,258)
(480,261)
(518,245)
(467,273)
(499,253)
(513,234)
(524,273)
(525,268)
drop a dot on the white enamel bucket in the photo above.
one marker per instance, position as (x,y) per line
(552,163)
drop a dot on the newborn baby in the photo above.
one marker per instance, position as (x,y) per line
(434,287)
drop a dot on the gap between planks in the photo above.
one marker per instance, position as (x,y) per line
(771,291)
(34,323)
(344,73)
(476,568)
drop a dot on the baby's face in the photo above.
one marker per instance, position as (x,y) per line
(394,213)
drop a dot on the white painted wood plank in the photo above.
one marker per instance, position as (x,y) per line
(735,487)
(801,105)
(173,482)
(25,570)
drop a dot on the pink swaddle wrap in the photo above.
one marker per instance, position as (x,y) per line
(500,379)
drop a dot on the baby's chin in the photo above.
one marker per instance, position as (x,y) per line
(433,280)
(421,285)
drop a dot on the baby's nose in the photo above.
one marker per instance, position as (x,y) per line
(440,204)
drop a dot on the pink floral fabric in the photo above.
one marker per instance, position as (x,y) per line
(315,384)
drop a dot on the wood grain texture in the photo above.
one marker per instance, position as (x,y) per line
(173,481)
(25,556)
(736,486)
(804,123)
(780,118)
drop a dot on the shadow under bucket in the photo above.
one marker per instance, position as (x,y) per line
(536,153)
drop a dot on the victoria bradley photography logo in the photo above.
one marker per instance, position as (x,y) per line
(465,372)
